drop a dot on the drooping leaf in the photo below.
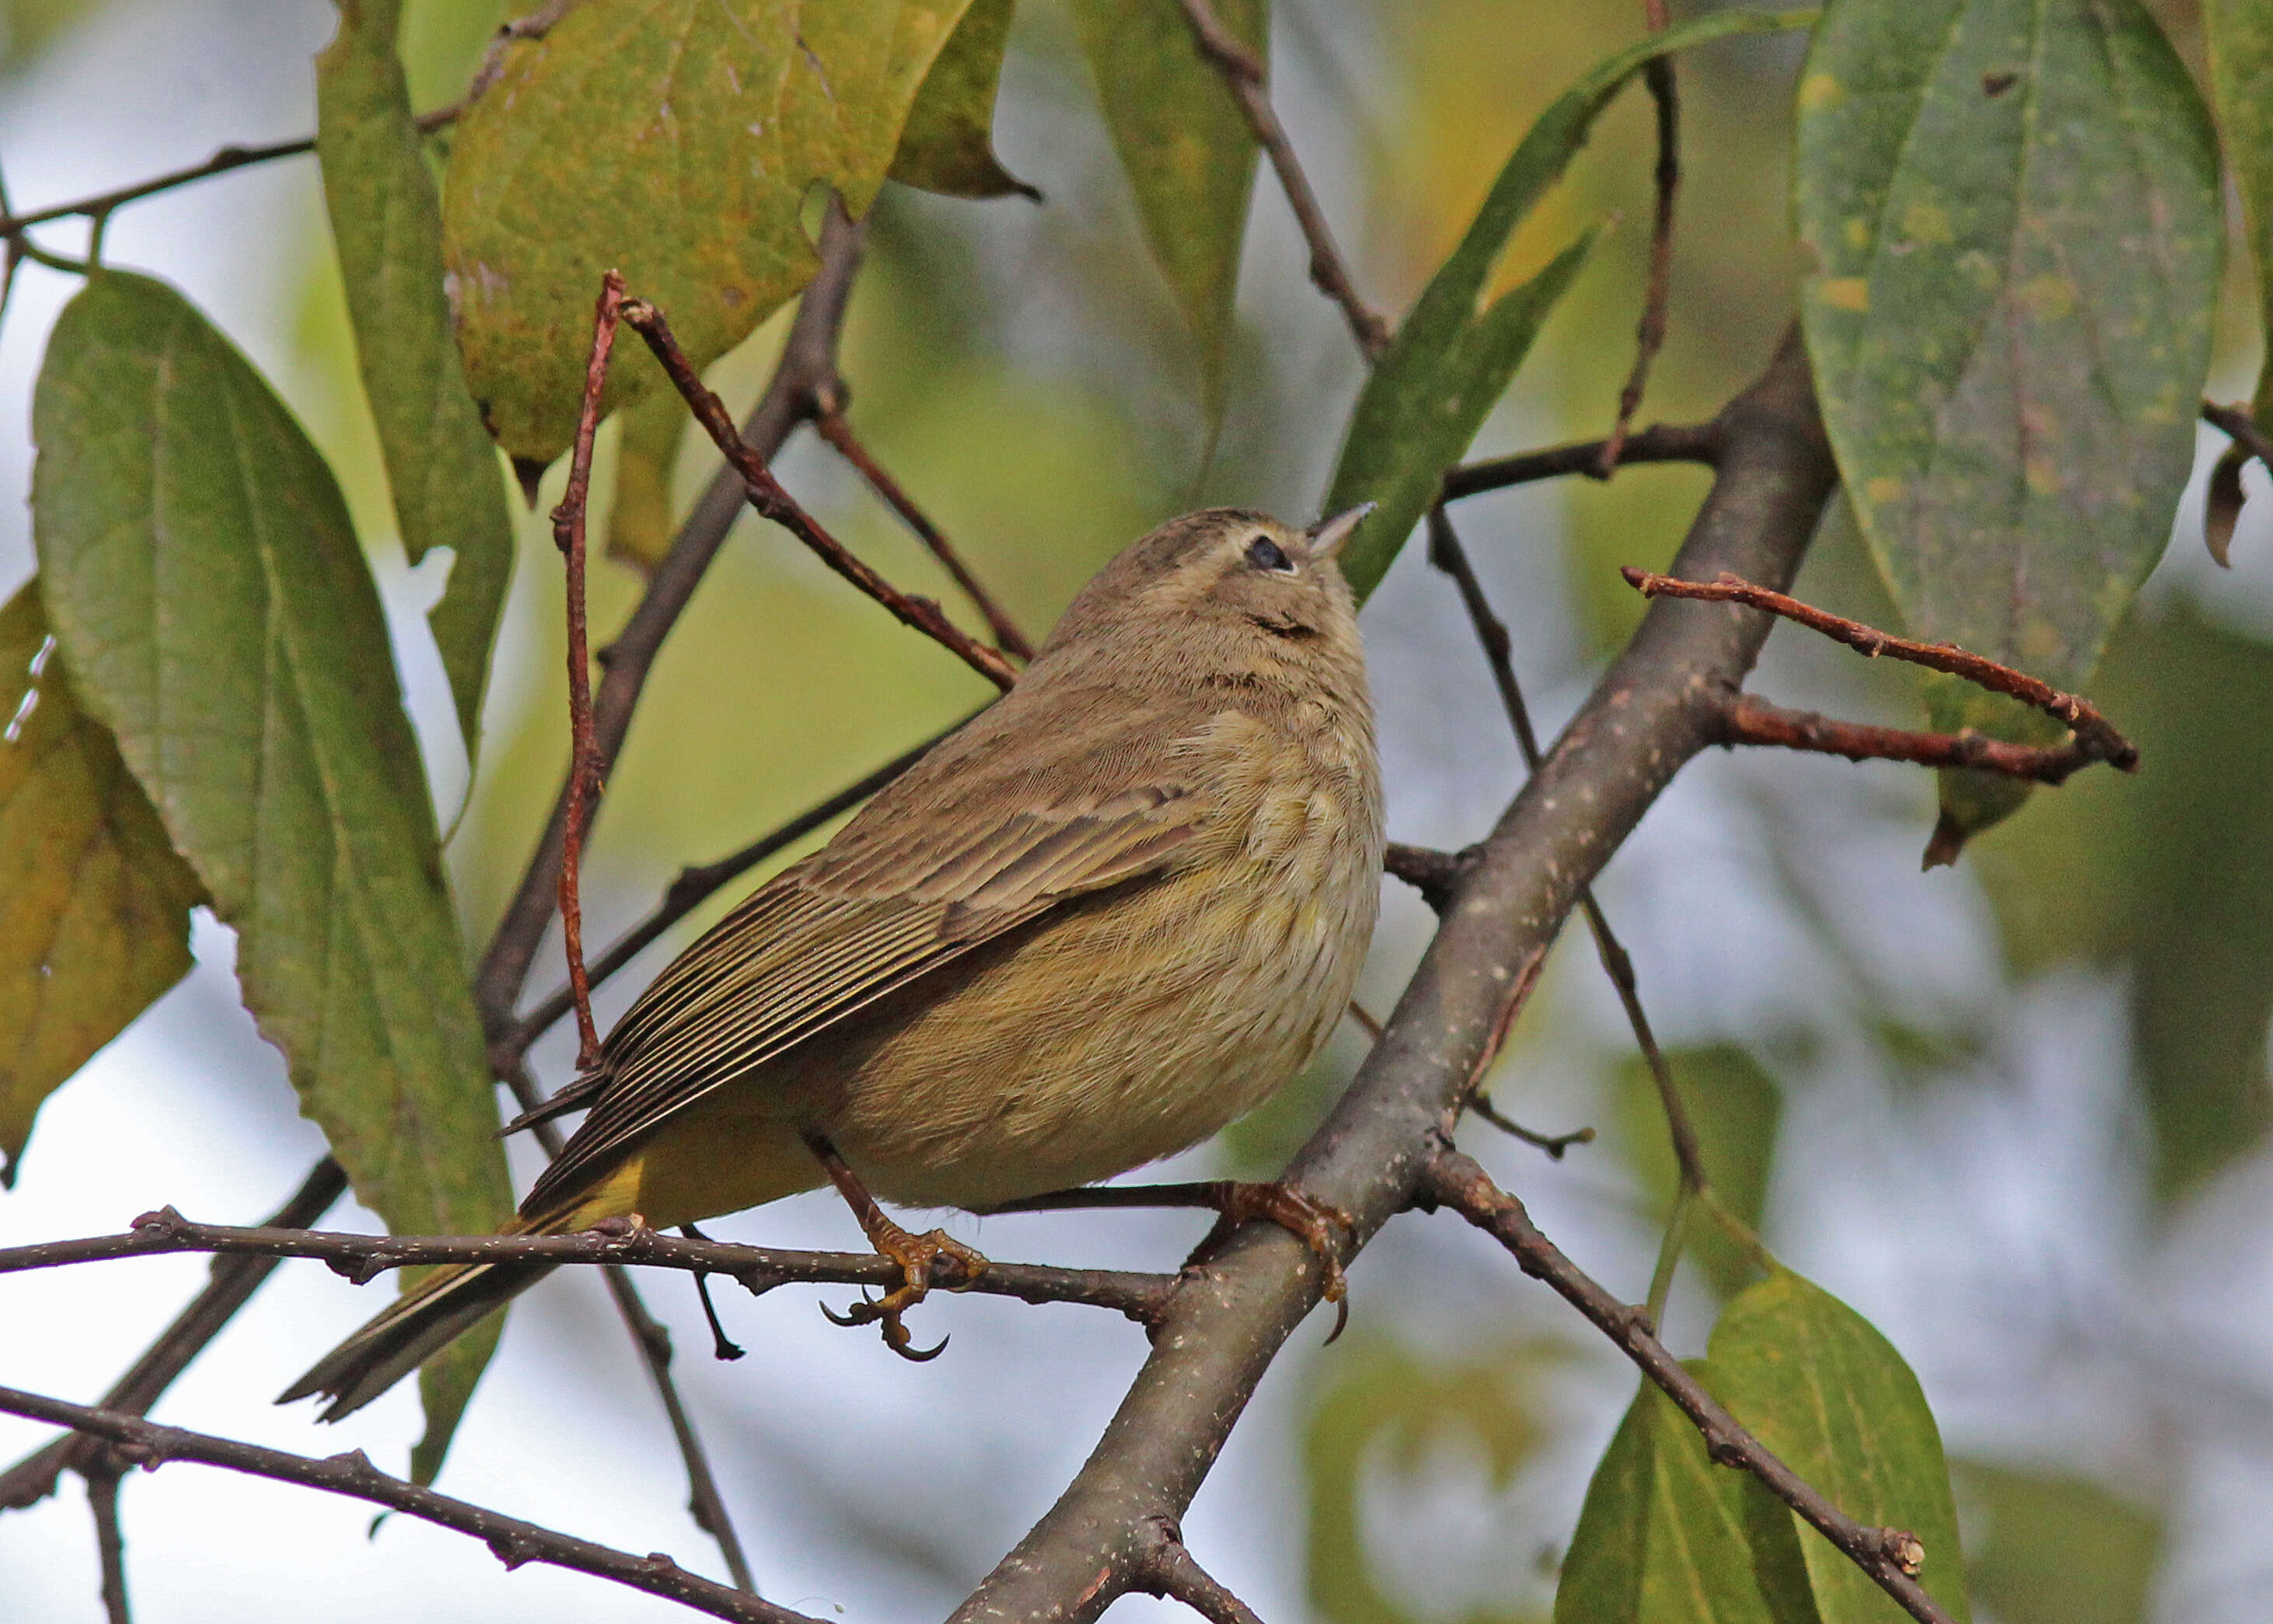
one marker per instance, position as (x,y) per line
(2013,209)
(949,143)
(1185,146)
(647,454)
(675,141)
(1452,357)
(206,588)
(387,224)
(94,905)
(2239,34)
(1734,1106)
(1827,1394)
(2057,1550)
(1667,1537)
(2167,879)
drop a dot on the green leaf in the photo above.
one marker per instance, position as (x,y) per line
(675,141)
(2013,209)
(1451,360)
(1827,1394)
(948,145)
(2240,39)
(2167,880)
(1186,148)
(2058,1550)
(95,906)
(207,590)
(1666,1536)
(387,224)
(1734,1106)
(647,456)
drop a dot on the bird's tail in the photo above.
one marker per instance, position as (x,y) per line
(419,1324)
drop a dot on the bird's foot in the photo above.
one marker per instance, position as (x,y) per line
(1310,1221)
(917,1256)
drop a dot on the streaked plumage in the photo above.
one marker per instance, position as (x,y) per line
(1112,913)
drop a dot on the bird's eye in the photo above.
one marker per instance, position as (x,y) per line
(1265,554)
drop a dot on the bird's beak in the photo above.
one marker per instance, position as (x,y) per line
(1327,536)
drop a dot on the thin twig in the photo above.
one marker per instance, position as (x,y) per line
(1750,720)
(1446,554)
(765,493)
(233,1281)
(1437,876)
(2091,729)
(1247,78)
(221,163)
(1168,1569)
(586,773)
(2236,424)
(1649,335)
(1891,1557)
(807,368)
(102,1479)
(833,426)
(1661,442)
(694,887)
(1554,1144)
(758,1268)
(512,1540)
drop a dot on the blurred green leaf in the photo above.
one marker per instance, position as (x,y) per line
(1386,1401)
(1185,147)
(94,905)
(31,26)
(2239,34)
(205,584)
(2169,873)
(2013,212)
(2058,1550)
(651,432)
(1736,1108)
(675,141)
(387,224)
(1451,359)
(1817,1384)
(949,143)
(1667,1537)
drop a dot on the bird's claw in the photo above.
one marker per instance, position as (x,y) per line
(1308,1219)
(917,1256)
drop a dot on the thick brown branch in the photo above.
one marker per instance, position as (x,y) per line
(512,1540)
(759,1268)
(1661,442)
(234,1280)
(2092,730)
(833,426)
(1244,72)
(765,493)
(806,370)
(1751,720)
(1890,1556)
(1231,1312)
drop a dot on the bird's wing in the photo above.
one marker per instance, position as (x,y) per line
(953,860)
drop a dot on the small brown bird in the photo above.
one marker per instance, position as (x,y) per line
(1110,914)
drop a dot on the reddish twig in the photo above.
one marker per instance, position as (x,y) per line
(512,1540)
(833,426)
(1244,72)
(1751,720)
(765,493)
(1649,335)
(586,772)
(1661,442)
(2092,730)
(1891,1557)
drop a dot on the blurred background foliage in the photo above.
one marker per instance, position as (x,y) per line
(2016,1112)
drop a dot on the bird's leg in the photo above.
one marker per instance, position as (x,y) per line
(722,1346)
(1310,1221)
(914,1253)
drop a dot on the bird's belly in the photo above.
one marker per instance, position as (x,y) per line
(1122,1031)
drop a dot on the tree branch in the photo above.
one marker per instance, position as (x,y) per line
(1230,1312)
(1661,442)
(2092,730)
(1168,1569)
(1245,74)
(1752,720)
(102,1479)
(1890,1556)
(512,1540)
(1649,335)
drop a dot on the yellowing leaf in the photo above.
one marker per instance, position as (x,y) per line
(675,141)
(948,143)
(95,906)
